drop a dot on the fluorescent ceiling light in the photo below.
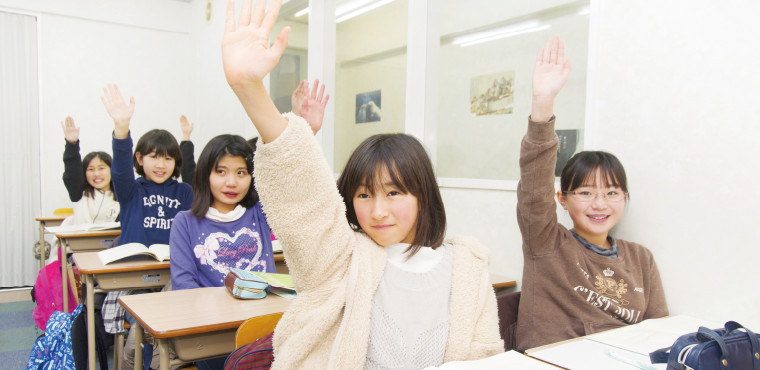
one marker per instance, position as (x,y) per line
(499,33)
(351,9)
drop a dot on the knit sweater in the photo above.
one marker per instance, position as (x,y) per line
(147,208)
(73,177)
(336,270)
(203,250)
(567,290)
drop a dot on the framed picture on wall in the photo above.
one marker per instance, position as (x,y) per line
(368,106)
(492,94)
(568,146)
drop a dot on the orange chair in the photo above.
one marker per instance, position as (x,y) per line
(256,328)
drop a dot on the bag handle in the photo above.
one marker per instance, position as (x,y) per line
(731,326)
(706,335)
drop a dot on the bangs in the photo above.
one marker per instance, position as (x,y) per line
(582,169)
(372,176)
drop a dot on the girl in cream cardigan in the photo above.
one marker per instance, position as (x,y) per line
(378,286)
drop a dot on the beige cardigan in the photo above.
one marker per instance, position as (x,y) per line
(336,270)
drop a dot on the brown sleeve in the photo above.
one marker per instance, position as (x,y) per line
(536,207)
(657,306)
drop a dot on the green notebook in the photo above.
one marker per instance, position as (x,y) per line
(276,280)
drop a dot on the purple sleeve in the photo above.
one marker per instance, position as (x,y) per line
(183,269)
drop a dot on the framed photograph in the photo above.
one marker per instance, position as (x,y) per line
(492,94)
(368,106)
(568,145)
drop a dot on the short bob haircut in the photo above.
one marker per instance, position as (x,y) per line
(165,145)
(410,170)
(581,170)
(89,191)
(217,148)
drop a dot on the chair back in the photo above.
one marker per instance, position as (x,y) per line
(256,328)
(507,305)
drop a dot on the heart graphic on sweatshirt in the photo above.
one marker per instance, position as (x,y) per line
(221,251)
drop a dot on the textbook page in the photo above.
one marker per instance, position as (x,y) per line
(159,252)
(653,334)
(505,360)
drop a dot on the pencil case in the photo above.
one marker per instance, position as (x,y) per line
(244,285)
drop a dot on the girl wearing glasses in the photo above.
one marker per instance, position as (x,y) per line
(578,281)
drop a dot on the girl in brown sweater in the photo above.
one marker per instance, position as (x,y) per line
(578,281)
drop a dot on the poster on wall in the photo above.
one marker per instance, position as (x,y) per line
(568,145)
(368,107)
(492,94)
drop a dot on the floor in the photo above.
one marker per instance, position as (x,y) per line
(18,330)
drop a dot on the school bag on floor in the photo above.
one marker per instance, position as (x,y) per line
(48,293)
(53,350)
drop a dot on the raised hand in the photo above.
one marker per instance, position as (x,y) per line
(549,76)
(186,127)
(118,109)
(70,130)
(299,94)
(246,54)
(313,107)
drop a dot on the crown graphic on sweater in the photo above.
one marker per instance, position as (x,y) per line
(608,272)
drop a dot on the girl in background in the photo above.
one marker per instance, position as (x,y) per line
(88,181)
(578,281)
(378,286)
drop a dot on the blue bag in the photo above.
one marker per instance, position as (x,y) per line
(733,347)
(53,350)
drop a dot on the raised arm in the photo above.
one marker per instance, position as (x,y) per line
(118,109)
(187,149)
(536,207)
(247,57)
(73,175)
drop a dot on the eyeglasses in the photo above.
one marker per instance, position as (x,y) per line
(588,196)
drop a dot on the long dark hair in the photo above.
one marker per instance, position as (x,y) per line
(410,170)
(217,148)
(89,191)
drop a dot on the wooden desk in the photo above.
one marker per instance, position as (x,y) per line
(133,274)
(201,322)
(500,282)
(47,220)
(81,242)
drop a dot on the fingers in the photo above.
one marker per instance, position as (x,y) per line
(70,121)
(321,93)
(314,88)
(553,52)
(271,17)
(258,13)
(327,98)
(281,43)
(229,22)
(546,52)
(560,51)
(245,13)
(131,103)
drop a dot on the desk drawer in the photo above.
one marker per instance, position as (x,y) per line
(133,279)
(90,244)
(200,346)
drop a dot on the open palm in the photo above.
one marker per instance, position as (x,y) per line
(552,69)
(313,106)
(117,108)
(246,54)
(70,130)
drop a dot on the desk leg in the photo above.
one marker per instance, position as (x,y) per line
(42,245)
(64,275)
(163,353)
(90,321)
(138,345)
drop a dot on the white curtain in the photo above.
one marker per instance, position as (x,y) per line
(19,140)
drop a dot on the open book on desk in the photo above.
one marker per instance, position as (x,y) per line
(102,226)
(159,252)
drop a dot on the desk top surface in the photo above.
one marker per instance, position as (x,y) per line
(195,311)
(499,281)
(52,217)
(87,234)
(89,263)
